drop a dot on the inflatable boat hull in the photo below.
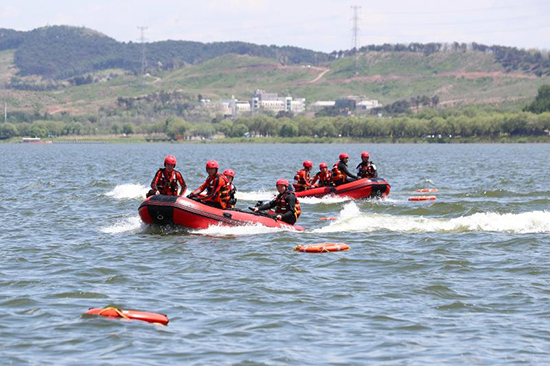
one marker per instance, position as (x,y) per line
(182,211)
(362,188)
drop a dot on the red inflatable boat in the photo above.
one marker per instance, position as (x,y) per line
(362,188)
(182,211)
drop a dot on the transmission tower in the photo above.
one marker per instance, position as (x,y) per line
(355,35)
(143,53)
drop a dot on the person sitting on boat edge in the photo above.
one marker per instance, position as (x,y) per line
(366,168)
(229,190)
(213,185)
(287,207)
(324,177)
(340,171)
(166,180)
(302,180)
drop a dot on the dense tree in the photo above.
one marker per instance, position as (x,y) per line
(127,128)
(541,103)
(60,52)
(7,130)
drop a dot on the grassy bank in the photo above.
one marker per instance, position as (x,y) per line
(117,139)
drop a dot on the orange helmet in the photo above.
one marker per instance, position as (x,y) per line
(229,173)
(343,156)
(170,159)
(282,182)
(212,164)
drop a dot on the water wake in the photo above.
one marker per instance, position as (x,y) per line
(269,195)
(218,230)
(127,225)
(256,196)
(352,220)
(128,192)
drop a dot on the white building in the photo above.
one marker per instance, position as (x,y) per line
(367,104)
(233,106)
(322,104)
(272,102)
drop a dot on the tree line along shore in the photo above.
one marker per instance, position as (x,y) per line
(428,124)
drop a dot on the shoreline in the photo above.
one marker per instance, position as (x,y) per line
(141,139)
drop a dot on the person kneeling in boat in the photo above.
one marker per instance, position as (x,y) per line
(324,177)
(366,168)
(341,173)
(287,207)
(229,190)
(213,185)
(166,180)
(302,181)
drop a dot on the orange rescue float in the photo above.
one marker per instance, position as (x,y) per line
(422,198)
(322,248)
(427,190)
(131,314)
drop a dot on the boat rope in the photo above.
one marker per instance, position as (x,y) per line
(118,311)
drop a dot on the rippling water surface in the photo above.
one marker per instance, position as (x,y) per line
(460,280)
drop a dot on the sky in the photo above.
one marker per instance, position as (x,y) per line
(321,25)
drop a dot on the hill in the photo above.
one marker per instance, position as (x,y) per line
(60,52)
(80,72)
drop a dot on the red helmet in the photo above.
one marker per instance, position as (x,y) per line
(343,156)
(323,165)
(308,164)
(212,164)
(170,159)
(365,154)
(282,182)
(229,173)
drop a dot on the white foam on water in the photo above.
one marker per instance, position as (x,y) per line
(127,225)
(128,191)
(326,200)
(352,220)
(256,196)
(269,195)
(219,230)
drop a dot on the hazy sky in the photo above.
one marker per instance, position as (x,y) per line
(323,25)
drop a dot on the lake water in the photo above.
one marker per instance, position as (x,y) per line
(464,279)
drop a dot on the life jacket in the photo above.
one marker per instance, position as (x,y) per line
(227,195)
(167,186)
(324,178)
(281,206)
(367,170)
(302,181)
(338,177)
(211,187)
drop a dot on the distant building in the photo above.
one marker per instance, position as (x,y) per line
(367,104)
(351,103)
(232,107)
(262,100)
(346,103)
(322,104)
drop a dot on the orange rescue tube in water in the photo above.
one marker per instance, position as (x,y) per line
(328,218)
(131,314)
(422,198)
(322,248)
(427,190)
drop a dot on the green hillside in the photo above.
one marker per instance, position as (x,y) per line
(80,72)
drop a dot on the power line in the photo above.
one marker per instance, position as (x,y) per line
(355,31)
(143,51)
